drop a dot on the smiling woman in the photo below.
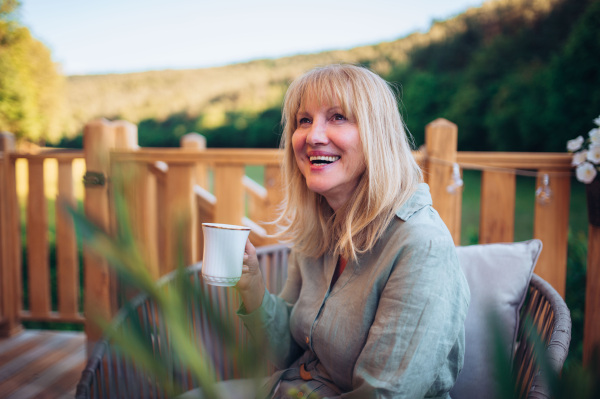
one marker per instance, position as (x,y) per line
(328,152)
(352,113)
(375,301)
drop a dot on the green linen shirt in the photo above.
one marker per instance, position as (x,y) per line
(392,326)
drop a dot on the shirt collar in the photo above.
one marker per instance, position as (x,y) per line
(420,199)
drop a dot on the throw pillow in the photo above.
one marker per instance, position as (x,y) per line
(498,277)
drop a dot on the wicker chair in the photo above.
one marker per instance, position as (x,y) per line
(552,319)
(122,380)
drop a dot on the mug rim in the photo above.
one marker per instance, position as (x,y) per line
(226,226)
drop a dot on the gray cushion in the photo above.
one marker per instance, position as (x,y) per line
(498,277)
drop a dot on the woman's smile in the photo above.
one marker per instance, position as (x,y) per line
(321,160)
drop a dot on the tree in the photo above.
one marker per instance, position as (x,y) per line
(31,88)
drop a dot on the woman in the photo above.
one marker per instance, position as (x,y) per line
(375,300)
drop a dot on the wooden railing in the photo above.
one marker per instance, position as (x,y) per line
(168,197)
(39,280)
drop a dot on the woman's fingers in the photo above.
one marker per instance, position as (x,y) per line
(250,250)
(250,258)
(251,284)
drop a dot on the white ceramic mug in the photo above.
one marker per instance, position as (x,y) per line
(223,253)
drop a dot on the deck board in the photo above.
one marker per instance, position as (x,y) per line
(41,364)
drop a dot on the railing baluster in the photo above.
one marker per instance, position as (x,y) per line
(38,267)
(229,191)
(497,220)
(66,245)
(180,221)
(551,225)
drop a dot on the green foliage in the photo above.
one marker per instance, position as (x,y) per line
(180,350)
(30,86)
(575,294)
(7,8)
(512,74)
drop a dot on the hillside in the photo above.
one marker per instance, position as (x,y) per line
(212,92)
(507,73)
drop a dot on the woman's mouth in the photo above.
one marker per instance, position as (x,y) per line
(323,160)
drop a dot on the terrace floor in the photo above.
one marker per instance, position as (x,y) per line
(41,364)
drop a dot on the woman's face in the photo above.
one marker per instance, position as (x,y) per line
(328,151)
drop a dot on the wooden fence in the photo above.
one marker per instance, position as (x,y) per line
(168,197)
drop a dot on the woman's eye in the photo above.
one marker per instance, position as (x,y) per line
(302,121)
(339,117)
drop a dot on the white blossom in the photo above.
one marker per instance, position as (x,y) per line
(586,172)
(586,154)
(579,157)
(593,154)
(575,144)
(595,136)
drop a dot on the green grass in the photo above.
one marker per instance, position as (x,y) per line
(524,213)
(256,173)
(524,208)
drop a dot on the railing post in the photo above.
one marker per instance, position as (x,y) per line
(10,258)
(441,138)
(98,140)
(133,181)
(136,186)
(196,141)
(591,332)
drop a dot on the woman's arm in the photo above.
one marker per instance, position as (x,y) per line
(267,316)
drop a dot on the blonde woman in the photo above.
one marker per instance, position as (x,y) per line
(375,301)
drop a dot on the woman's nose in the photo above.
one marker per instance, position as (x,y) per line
(317,134)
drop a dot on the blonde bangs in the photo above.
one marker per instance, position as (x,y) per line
(323,86)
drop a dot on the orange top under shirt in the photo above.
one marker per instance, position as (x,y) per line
(341,265)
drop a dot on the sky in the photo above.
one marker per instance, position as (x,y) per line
(120,36)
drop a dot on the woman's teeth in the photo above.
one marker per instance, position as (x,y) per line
(323,159)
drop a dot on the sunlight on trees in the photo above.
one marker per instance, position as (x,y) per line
(31,89)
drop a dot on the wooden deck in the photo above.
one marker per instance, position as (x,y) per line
(41,364)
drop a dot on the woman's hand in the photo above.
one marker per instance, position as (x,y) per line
(251,285)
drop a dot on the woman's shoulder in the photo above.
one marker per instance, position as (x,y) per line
(416,220)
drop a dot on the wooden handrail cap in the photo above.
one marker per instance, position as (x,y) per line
(99,121)
(441,122)
(193,140)
(123,124)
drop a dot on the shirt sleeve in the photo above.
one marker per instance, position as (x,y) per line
(270,323)
(415,346)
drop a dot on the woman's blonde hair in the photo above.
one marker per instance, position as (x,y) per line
(391,173)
